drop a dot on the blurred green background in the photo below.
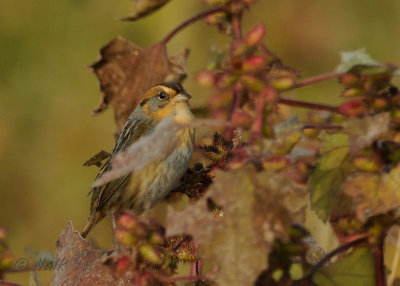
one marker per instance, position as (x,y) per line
(47,91)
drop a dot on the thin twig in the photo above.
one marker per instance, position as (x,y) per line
(304,104)
(257,126)
(182,278)
(192,20)
(380,275)
(236,25)
(228,134)
(333,253)
(315,79)
(270,53)
(8,283)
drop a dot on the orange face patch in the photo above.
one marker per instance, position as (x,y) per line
(158,102)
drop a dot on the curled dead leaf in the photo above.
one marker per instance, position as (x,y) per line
(79,263)
(126,71)
(145,7)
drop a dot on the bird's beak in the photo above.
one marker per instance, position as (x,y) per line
(182,96)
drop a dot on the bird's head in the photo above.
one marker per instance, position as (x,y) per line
(168,98)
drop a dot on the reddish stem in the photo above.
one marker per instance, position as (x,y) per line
(395,121)
(192,20)
(380,276)
(7,283)
(256,128)
(236,25)
(196,267)
(178,279)
(228,134)
(137,278)
(311,105)
(270,53)
(315,79)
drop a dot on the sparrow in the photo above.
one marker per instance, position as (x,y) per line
(142,190)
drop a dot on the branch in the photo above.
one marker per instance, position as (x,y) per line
(190,21)
(256,128)
(7,283)
(331,254)
(380,275)
(311,105)
(228,134)
(236,25)
(182,278)
(315,79)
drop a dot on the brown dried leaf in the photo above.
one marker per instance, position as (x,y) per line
(145,7)
(126,71)
(80,264)
(374,194)
(236,243)
(365,130)
(178,66)
(97,159)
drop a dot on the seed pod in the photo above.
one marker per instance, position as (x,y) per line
(283,83)
(311,132)
(253,63)
(352,107)
(255,35)
(127,221)
(350,92)
(150,254)
(366,164)
(7,261)
(186,254)
(125,237)
(252,83)
(238,48)
(380,103)
(123,263)
(205,78)
(3,233)
(275,163)
(349,79)
(157,238)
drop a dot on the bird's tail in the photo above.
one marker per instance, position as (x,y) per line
(93,219)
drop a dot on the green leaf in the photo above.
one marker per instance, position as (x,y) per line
(355,269)
(358,57)
(326,180)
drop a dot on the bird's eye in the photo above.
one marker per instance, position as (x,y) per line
(162,95)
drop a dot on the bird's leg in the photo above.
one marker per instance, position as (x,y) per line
(117,247)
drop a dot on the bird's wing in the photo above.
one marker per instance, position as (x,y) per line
(130,133)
